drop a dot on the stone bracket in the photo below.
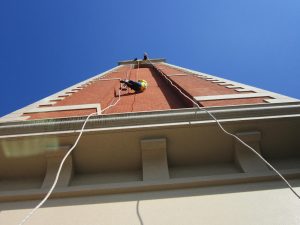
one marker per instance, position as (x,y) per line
(54,158)
(244,157)
(154,159)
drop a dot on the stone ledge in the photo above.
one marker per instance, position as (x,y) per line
(115,188)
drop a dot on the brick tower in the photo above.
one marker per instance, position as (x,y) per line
(152,157)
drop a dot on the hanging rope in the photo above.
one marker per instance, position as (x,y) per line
(137,73)
(228,133)
(128,74)
(137,78)
(63,161)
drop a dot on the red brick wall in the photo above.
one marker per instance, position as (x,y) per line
(197,86)
(160,95)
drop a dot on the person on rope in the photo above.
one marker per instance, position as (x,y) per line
(138,86)
(145,56)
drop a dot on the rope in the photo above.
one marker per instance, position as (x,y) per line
(137,78)
(128,74)
(112,105)
(137,73)
(230,134)
(62,163)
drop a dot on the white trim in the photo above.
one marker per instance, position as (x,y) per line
(278,100)
(243,90)
(211,79)
(225,84)
(217,81)
(177,74)
(233,87)
(64,95)
(48,104)
(66,108)
(229,96)
(13,119)
(57,99)
(72,91)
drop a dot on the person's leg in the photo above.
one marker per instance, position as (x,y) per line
(134,85)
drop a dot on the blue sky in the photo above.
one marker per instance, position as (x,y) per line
(46,46)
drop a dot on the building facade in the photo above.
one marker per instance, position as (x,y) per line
(152,157)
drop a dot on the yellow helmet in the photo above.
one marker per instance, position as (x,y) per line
(144,83)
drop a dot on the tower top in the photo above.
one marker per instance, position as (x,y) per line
(134,62)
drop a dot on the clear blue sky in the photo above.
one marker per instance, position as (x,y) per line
(46,46)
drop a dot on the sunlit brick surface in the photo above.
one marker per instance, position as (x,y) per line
(160,95)
(196,86)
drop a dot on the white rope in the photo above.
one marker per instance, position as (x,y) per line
(137,73)
(112,105)
(128,73)
(230,134)
(62,163)
(137,78)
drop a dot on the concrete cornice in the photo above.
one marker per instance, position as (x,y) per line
(153,185)
(146,119)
